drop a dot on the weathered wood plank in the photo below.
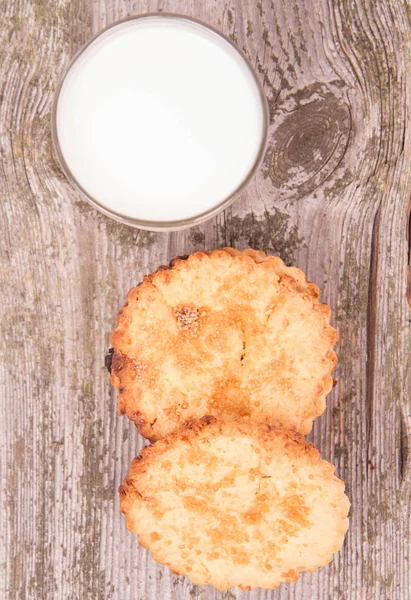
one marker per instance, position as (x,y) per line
(332,195)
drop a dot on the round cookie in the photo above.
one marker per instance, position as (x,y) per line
(235,504)
(224,333)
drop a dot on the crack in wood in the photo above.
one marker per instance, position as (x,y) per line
(408,234)
(371,332)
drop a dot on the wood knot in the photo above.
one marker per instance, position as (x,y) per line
(308,143)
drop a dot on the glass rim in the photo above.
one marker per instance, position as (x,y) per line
(150,225)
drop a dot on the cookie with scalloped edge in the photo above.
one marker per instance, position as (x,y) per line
(235,504)
(224,333)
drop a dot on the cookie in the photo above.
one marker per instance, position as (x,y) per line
(224,333)
(235,504)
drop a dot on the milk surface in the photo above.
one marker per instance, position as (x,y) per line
(160,119)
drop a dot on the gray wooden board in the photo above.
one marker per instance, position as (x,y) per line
(332,196)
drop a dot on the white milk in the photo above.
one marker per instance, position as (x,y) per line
(160,119)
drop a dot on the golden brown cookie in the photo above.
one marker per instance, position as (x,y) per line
(227,333)
(235,504)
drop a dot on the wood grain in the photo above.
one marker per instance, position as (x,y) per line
(332,195)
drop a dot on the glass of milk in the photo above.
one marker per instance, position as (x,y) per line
(159,121)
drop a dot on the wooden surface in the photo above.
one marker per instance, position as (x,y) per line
(332,196)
